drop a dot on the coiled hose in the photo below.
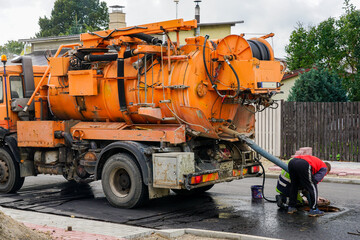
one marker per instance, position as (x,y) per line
(211,79)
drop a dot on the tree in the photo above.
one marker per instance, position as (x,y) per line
(12,48)
(333,44)
(328,49)
(301,49)
(74,16)
(349,28)
(318,85)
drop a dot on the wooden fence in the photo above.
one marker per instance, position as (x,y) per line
(331,129)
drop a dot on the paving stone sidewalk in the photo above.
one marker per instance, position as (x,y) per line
(64,234)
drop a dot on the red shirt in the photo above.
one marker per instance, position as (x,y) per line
(316,164)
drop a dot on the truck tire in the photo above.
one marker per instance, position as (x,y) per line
(194,191)
(10,180)
(122,182)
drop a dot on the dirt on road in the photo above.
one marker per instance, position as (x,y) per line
(11,229)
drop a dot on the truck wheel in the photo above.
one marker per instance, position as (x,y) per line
(10,180)
(194,191)
(122,182)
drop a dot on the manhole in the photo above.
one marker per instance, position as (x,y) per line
(324,208)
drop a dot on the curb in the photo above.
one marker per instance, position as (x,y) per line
(326,179)
(174,233)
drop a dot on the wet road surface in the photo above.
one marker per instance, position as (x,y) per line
(226,207)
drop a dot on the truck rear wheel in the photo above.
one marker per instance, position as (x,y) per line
(10,180)
(194,191)
(122,182)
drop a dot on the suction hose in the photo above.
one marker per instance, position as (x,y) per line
(256,148)
(211,78)
(259,150)
(147,38)
(264,153)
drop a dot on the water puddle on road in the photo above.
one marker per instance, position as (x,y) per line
(227,213)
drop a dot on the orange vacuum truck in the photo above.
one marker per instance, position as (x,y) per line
(145,115)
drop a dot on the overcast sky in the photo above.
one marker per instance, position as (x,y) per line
(20,17)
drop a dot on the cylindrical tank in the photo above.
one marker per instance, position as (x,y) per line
(166,90)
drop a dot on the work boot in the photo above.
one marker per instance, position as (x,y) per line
(315,213)
(281,201)
(291,210)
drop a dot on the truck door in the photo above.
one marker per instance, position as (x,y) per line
(15,90)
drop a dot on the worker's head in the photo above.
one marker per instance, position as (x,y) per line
(328,165)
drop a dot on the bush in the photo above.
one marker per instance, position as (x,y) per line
(318,85)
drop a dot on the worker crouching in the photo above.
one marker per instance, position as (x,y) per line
(283,188)
(305,173)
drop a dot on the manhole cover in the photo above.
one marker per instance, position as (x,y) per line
(324,208)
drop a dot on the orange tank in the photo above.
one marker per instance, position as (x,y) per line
(203,83)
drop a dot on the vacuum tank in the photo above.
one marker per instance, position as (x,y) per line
(202,83)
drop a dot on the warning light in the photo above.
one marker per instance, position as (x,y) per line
(255,169)
(198,179)
(3,58)
(204,178)
(237,172)
(251,170)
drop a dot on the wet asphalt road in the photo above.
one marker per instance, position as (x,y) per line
(226,207)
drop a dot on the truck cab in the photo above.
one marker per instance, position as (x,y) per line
(16,86)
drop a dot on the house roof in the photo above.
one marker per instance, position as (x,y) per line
(76,37)
(38,57)
(220,23)
(294,73)
(48,39)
